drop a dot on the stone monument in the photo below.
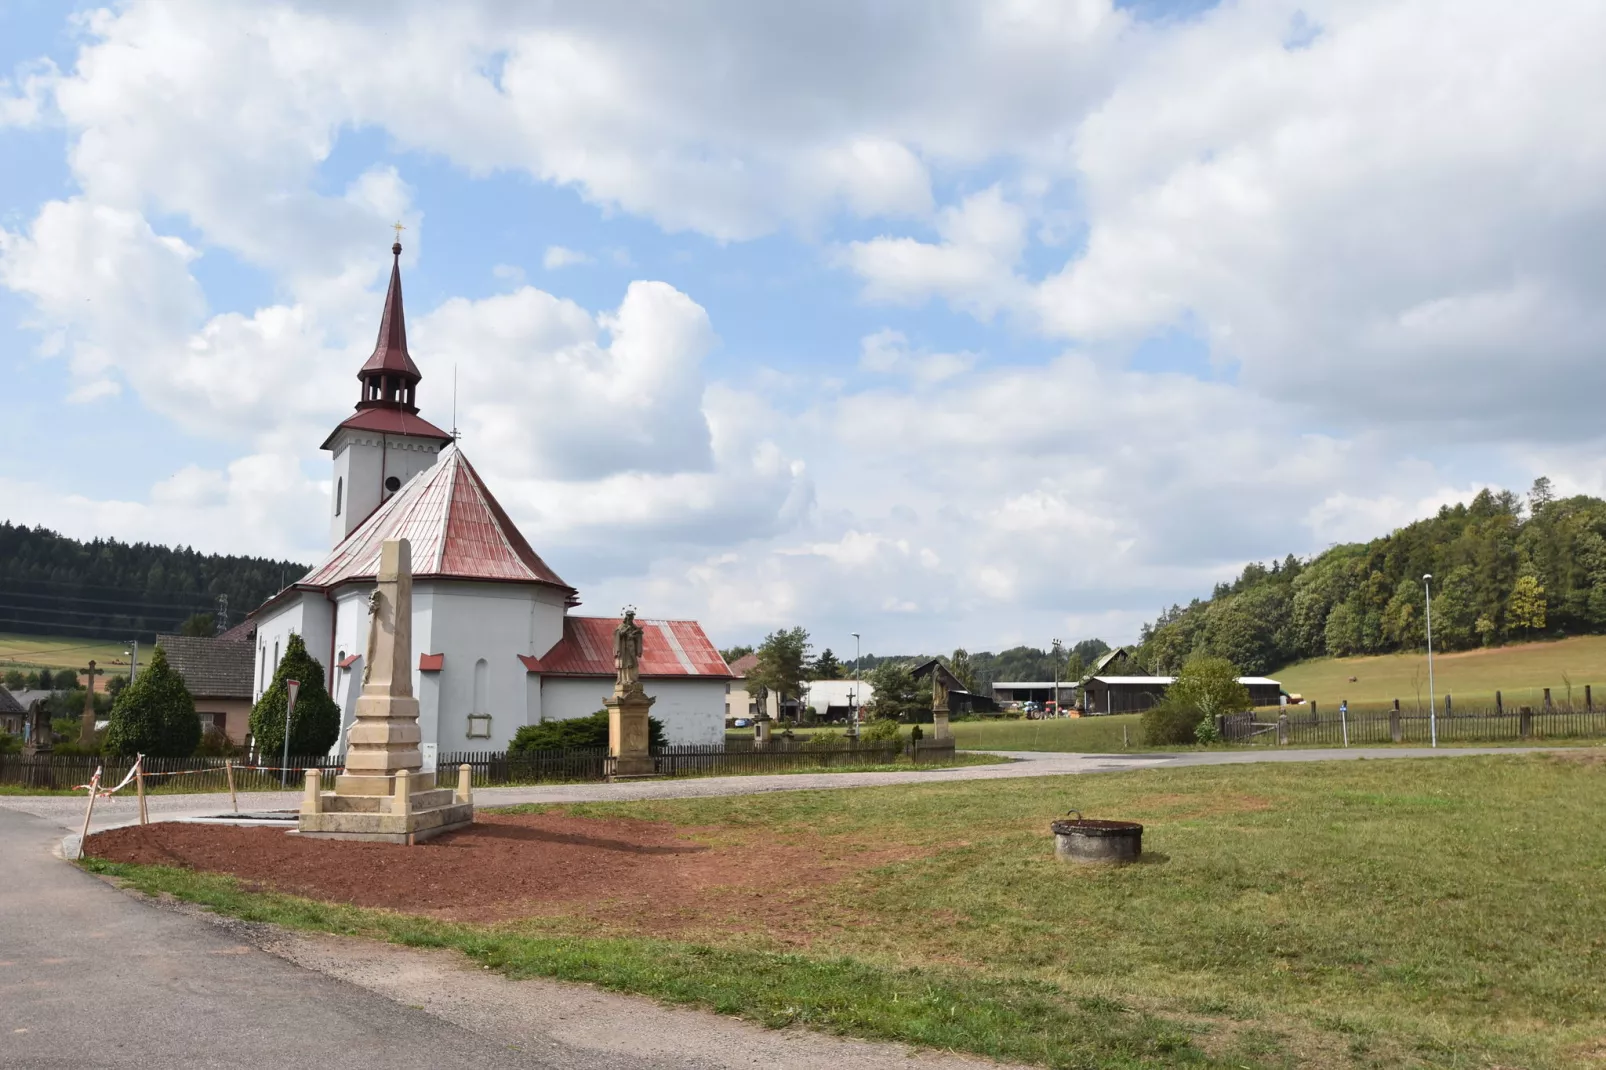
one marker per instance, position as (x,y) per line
(939,707)
(381,795)
(628,741)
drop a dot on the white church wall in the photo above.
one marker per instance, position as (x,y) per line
(493,622)
(692,710)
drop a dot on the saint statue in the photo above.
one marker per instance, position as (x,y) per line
(939,692)
(627,639)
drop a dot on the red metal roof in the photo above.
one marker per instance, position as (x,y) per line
(390,351)
(457,530)
(669,648)
(431,662)
(389,422)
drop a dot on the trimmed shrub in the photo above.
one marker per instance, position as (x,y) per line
(315,723)
(154,715)
(576,732)
(881,730)
(1169,723)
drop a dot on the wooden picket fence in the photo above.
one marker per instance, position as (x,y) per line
(1330,729)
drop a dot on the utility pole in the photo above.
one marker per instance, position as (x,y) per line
(853,723)
(1433,703)
(133,658)
(86,727)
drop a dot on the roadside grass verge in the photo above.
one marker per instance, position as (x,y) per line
(1402,913)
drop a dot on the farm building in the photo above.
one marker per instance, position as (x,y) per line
(1007,692)
(960,701)
(1134,694)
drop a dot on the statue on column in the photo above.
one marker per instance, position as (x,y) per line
(627,644)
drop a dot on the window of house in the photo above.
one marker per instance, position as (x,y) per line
(340,493)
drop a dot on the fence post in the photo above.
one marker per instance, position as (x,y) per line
(1449,705)
(1394,722)
(1547,700)
(1314,715)
(1589,700)
(1525,722)
(312,800)
(1499,706)
(228,770)
(1282,729)
(1343,719)
(139,788)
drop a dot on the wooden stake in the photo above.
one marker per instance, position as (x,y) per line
(228,769)
(94,788)
(139,789)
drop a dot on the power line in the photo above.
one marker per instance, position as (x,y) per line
(196,608)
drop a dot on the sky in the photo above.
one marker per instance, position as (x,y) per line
(951,324)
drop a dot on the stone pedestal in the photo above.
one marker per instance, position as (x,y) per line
(761,734)
(628,740)
(939,725)
(382,796)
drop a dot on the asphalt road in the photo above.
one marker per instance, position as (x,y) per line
(91,977)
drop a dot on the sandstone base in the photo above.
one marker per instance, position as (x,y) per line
(383,809)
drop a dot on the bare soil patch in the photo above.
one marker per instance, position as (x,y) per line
(648,875)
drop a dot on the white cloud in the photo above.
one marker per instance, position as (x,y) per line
(973,266)
(559,257)
(1377,216)
(887,352)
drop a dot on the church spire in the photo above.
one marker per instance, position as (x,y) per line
(390,378)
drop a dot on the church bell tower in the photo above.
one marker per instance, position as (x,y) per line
(385,442)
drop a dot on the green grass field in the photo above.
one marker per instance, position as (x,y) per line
(1471,676)
(1351,914)
(60,652)
(1097,734)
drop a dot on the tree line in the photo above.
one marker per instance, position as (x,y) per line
(54,585)
(1504,569)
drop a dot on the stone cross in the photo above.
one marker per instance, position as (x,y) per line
(385,739)
(386,665)
(86,726)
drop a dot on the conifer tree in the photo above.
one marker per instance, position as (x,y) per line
(315,722)
(154,715)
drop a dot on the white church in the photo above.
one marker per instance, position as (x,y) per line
(499,647)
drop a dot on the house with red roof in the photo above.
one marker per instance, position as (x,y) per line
(498,647)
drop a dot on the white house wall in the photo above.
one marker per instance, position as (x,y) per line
(693,711)
(304,614)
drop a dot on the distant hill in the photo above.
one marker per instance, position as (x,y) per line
(54,585)
(1504,570)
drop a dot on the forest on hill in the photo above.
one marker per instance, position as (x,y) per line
(54,585)
(1503,569)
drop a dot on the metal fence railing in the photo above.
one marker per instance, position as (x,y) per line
(489,768)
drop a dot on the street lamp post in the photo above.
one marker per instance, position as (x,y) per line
(1433,702)
(1056,656)
(853,723)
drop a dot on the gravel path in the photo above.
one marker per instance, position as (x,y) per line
(68,811)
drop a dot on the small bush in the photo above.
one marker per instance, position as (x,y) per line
(10,744)
(881,730)
(215,743)
(576,732)
(1206,731)
(1169,723)
(830,739)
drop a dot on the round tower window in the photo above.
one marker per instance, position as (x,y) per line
(392,485)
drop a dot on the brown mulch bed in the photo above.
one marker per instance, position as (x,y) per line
(651,875)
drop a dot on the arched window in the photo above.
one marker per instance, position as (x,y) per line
(482,686)
(340,493)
